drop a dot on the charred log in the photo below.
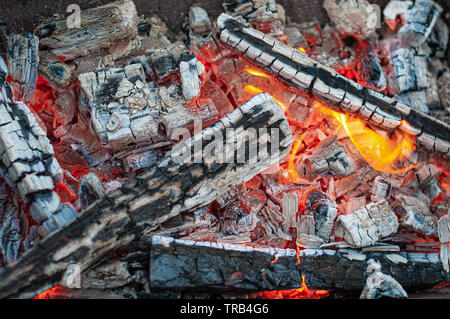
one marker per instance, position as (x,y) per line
(195,266)
(97,29)
(306,76)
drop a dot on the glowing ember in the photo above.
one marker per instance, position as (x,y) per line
(380,152)
(302,50)
(292,170)
(57,292)
(257,73)
(254,90)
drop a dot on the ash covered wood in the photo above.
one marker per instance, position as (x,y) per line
(125,111)
(56,72)
(352,17)
(190,71)
(367,225)
(419,21)
(380,285)
(306,76)
(150,202)
(98,29)
(196,266)
(28,165)
(23,64)
(415,214)
(328,158)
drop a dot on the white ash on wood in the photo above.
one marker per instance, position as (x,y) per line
(28,164)
(352,17)
(380,285)
(328,158)
(23,64)
(367,225)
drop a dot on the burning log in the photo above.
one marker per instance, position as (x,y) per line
(28,165)
(194,266)
(150,203)
(306,76)
(379,284)
(98,28)
(367,225)
(23,63)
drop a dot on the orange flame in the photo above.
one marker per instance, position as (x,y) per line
(302,50)
(255,90)
(256,73)
(379,151)
(291,167)
(56,292)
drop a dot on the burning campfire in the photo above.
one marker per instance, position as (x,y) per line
(247,156)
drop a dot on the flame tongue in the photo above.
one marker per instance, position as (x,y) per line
(380,152)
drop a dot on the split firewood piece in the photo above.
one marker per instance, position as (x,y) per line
(23,64)
(126,112)
(381,189)
(355,18)
(380,285)
(178,184)
(444,238)
(183,265)
(190,71)
(290,208)
(419,22)
(415,214)
(328,158)
(91,190)
(306,76)
(367,225)
(28,165)
(98,29)
(324,212)
(56,72)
